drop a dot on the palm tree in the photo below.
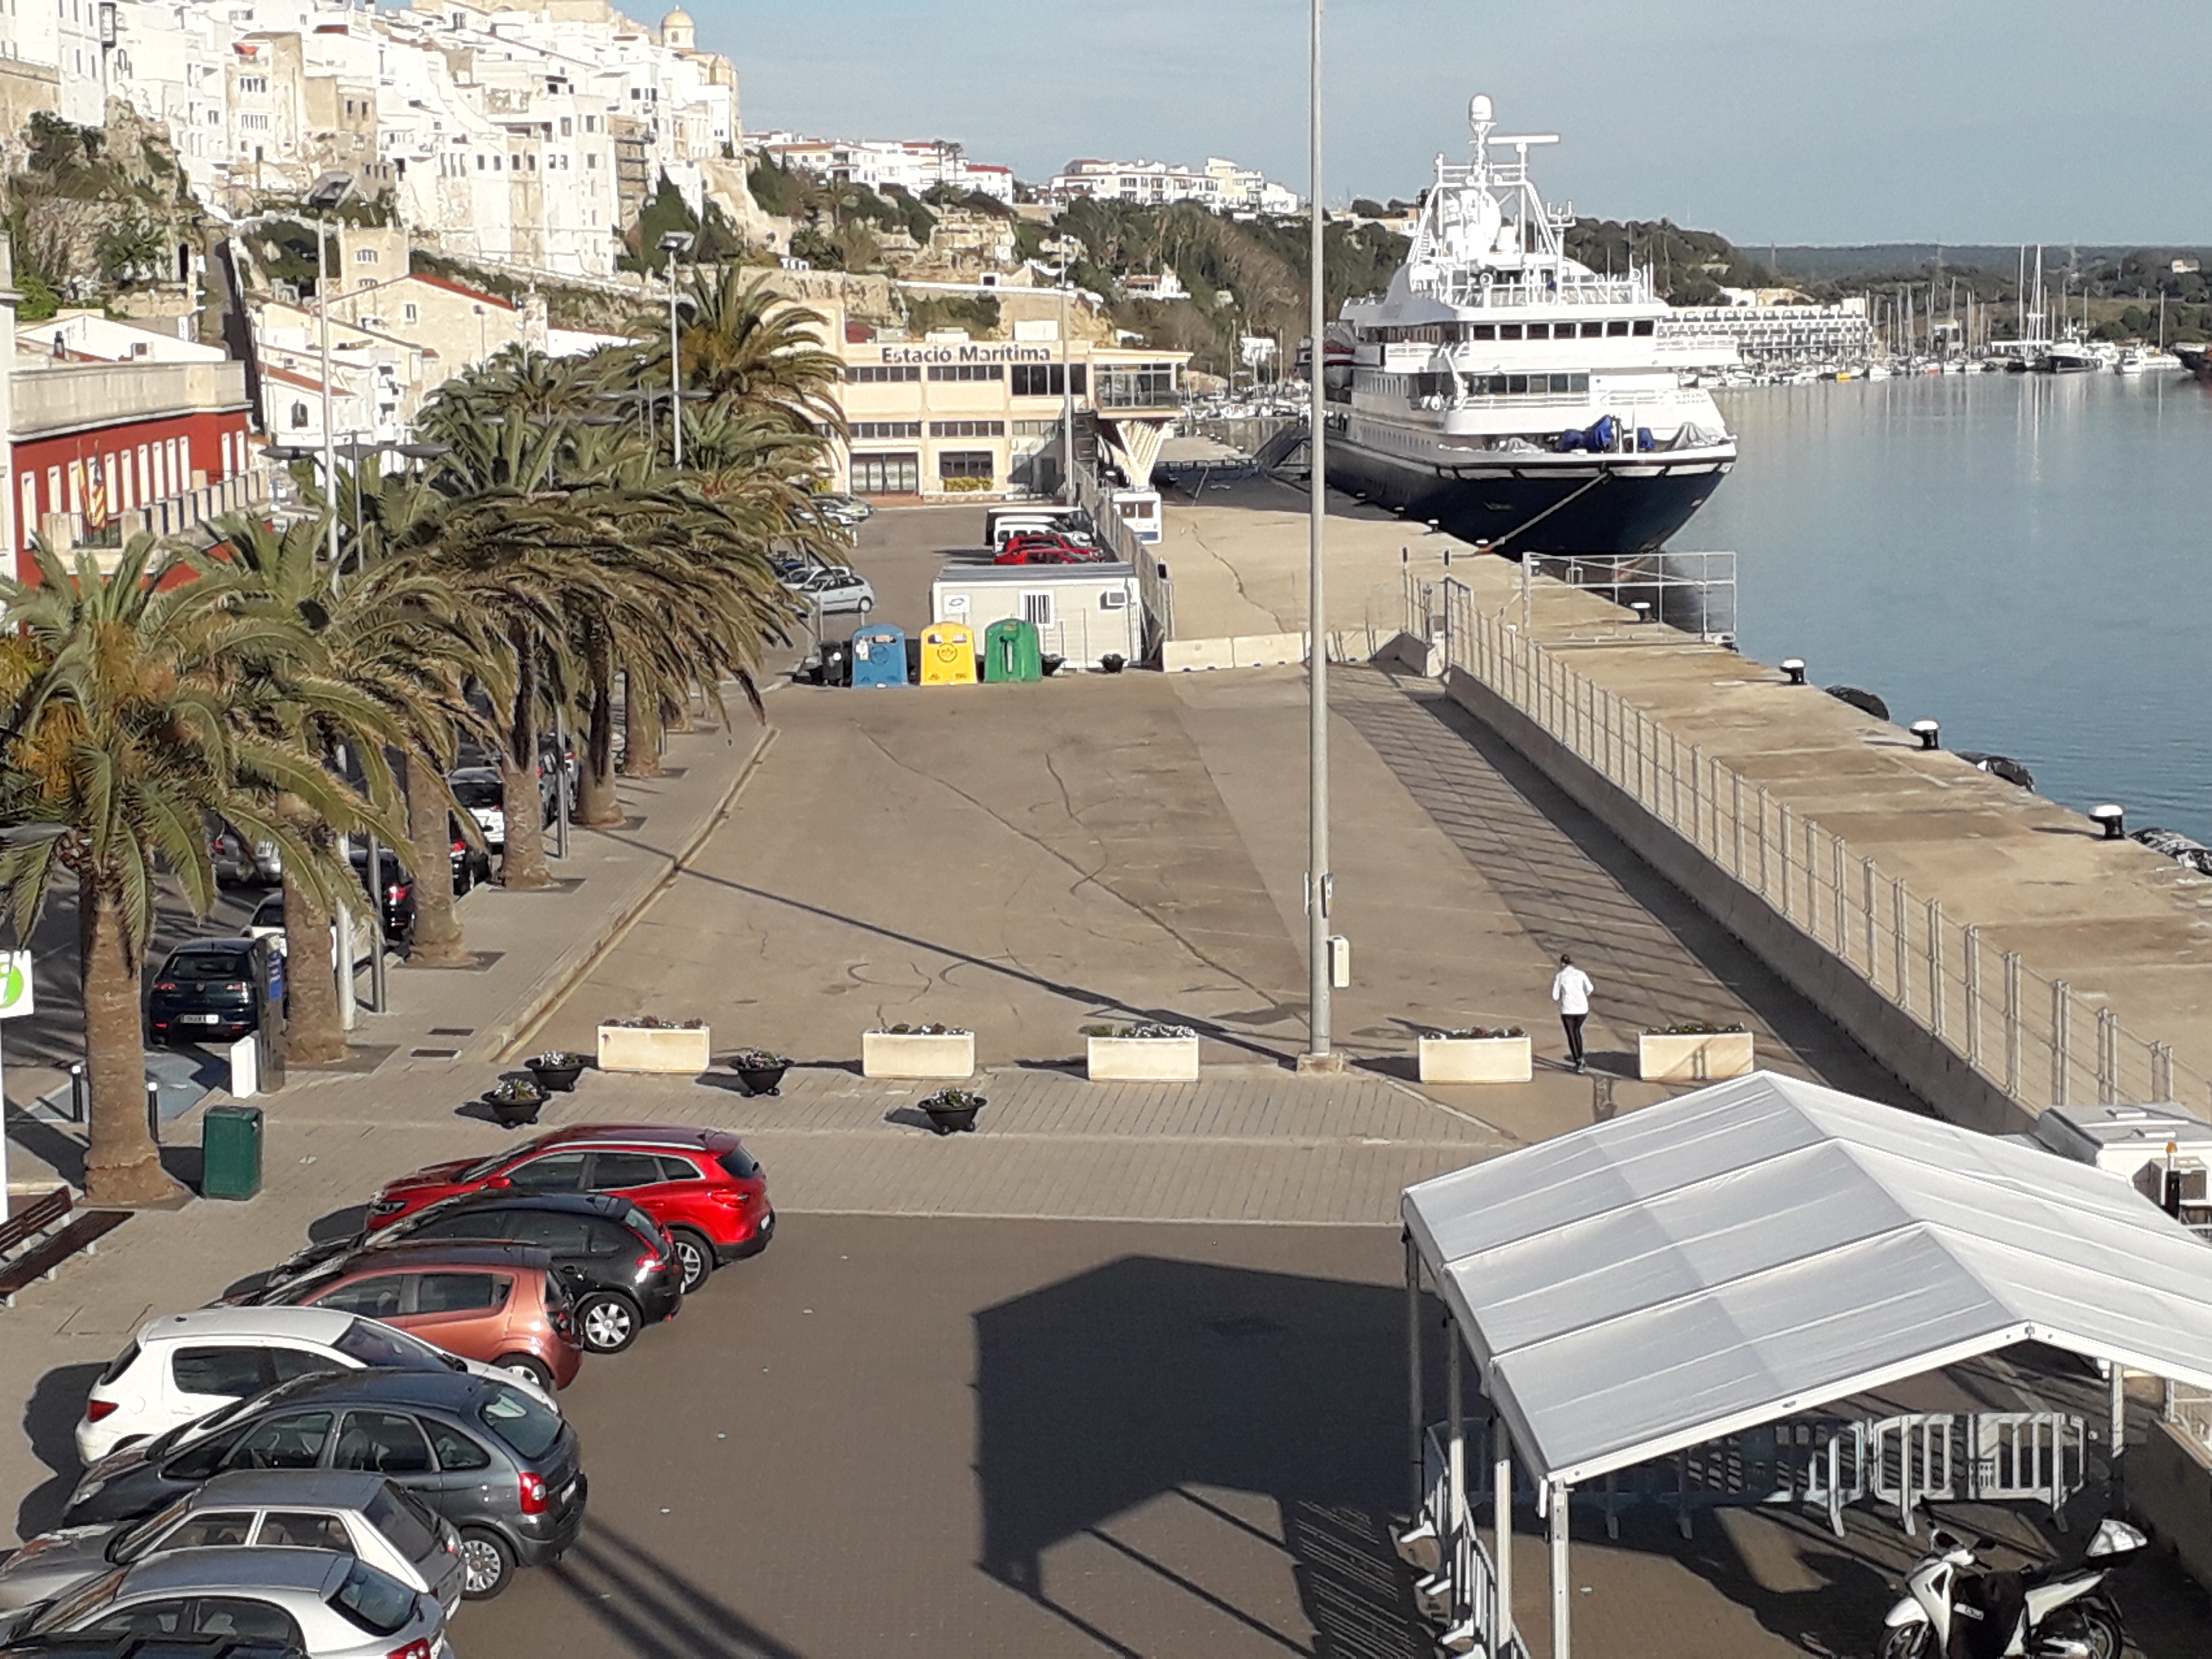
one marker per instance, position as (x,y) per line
(139,707)
(755,351)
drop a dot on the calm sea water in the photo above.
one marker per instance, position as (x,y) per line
(2022,557)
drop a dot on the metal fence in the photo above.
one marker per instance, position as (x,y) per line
(2041,1040)
(1155,587)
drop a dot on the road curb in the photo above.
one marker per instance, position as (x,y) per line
(513,1035)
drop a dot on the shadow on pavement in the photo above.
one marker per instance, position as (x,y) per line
(1148,1379)
(653,1611)
(50,1424)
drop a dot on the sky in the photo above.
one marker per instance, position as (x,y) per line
(1959,121)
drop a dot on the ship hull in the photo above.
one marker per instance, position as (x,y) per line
(1632,507)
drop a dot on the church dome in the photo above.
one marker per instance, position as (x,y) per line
(676,29)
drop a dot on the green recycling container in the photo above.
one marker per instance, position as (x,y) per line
(230,1152)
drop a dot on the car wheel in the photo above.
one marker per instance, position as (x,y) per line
(695,1257)
(607,1323)
(529,1367)
(487,1564)
(865,606)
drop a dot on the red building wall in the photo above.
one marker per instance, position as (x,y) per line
(138,462)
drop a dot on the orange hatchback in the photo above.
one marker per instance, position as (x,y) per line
(501,1304)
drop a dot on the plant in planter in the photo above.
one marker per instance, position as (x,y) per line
(1477,1053)
(924,1050)
(1694,1051)
(1148,1051)
(953,1110)
(760,1072)
(556,1070)
(514,1102)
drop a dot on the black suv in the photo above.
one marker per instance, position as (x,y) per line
(518,1500)
(614,1258)
(204,990)
(394,895)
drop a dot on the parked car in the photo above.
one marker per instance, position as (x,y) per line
(268,922)
(834,590)
(482,793)
(1047,548)
(500,1303)
(392,892)
(240,861)
(181,1366)
(707,1192)
(151,1647)
(326,1605)
(361,1515)
(847,510)
(471,865)
(517,1500)
(203,992)
(615,1259)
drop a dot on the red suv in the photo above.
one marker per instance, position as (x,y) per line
(1042,547)
(701,1185)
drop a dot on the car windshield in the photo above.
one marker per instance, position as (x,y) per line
(270,914)
(375,1601)
(76,1606)
(207,964)
(400,1517)
(375,1344)
(520,1421)
(128,1544)
(473,793)
(483,1168)
(643,1224)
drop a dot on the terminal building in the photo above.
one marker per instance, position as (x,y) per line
(947,415)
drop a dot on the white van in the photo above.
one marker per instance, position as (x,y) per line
(1000,522)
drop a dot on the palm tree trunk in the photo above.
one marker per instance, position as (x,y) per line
(123,1166)
(438,942)
(312,1032)
(596,804)
(641,742)
(675,713)
(522,865)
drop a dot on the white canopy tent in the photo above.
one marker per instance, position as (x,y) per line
(1766,1246)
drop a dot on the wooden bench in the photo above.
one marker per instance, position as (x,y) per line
(39,1237)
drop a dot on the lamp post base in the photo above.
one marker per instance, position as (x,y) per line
(1329,1064)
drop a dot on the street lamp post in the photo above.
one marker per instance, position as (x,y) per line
(674,244)
(327,193)
(1319,881)
(1066,382)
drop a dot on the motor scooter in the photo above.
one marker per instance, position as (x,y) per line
(2039,1613)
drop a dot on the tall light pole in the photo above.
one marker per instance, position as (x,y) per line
(674,244)
(1319,883)
(328,190)
(1066,380)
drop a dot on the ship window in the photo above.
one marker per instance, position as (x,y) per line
(1616,330)
(1482,331)
(1643,325)
(1540,330)
(1593,331)
(1509,330)
(1516,383)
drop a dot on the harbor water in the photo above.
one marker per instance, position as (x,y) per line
(2021,557)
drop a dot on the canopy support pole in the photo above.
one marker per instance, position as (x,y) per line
(1456,1456)
(1416,1462)
(1501,1504)
(2116,1455)
(1562,1646)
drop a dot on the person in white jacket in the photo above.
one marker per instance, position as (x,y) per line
(1571,990)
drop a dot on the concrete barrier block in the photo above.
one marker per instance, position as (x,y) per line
(1268,650)
(1181,656)
(1412,653)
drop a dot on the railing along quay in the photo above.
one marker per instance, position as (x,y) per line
(2039,1040)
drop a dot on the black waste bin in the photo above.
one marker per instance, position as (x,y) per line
(836,662)
(230,1152)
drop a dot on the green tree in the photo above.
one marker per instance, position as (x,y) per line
(142,704)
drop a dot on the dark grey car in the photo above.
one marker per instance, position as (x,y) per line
(359,1515)
(504,1470)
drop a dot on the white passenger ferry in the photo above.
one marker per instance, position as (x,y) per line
(1513,395)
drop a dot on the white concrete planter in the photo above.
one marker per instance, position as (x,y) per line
(911,1054)
(1477,1060)
(1694,1057)
(654,1048)
(1143,1060)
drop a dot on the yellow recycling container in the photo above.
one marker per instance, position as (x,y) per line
(948,654)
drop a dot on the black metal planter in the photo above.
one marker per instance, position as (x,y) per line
(762,1079)
(556,1079)
(512,1114)
(954,1119)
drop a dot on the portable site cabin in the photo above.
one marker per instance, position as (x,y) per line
(1083,613)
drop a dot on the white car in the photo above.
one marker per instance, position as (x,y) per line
(835,589)
(321,1603)
(182,1366)
(268,922)
(482,794)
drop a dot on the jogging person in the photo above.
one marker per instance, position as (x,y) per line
(1570,989)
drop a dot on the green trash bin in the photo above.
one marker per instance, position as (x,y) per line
(230,1152)
(1010,651)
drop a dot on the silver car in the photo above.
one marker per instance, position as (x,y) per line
(329,1606)
(835,589)
(361,1515)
